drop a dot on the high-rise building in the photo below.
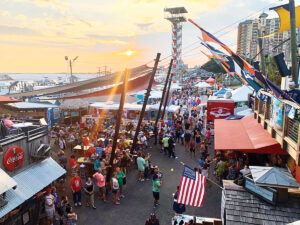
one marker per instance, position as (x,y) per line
(249,32)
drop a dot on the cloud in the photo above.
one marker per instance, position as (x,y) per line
(59,5)
(85,22)
(13,30)
(144,26)
(21,17)
(4,13)
(112,42)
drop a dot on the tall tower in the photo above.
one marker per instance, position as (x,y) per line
(176,17)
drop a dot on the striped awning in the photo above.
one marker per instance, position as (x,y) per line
(31,181)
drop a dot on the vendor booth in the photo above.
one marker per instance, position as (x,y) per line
(73,110)
(219,108)
(33,111)
(241,95)
(131,110)
(245,135)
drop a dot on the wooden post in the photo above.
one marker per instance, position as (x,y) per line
(167,97)
(145,103)
(118,124)
(163,93)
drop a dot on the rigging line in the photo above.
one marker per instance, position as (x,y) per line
(244,18)
(190,45)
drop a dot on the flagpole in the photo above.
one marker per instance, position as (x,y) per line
(182,163)
(135,139)
(163,93)
(293,42)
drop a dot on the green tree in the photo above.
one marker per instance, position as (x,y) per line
(212,66)
(272,71)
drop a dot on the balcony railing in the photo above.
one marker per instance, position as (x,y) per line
(292,129)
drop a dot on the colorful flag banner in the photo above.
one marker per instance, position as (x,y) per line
(192,188)
(208,37)
(284,16)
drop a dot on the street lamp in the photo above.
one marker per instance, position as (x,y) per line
(71,61)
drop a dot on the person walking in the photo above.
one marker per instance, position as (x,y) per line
(178,207)
(121,178)
(101,184)
(115,188)
(192,148)
(156,185)
(171,147)
(50,206)
(165,142)
(187,139)
(197,141)
(75,184)
(89,191)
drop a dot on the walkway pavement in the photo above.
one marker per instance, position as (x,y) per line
(137,205)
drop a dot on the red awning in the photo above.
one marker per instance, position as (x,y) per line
(6,99)
(245,135)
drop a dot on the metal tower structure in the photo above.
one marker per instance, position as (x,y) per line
(176,17)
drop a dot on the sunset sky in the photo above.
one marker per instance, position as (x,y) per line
(35,35)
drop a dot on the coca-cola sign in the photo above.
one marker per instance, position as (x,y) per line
(13,158)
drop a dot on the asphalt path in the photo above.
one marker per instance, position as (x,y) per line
(137,205)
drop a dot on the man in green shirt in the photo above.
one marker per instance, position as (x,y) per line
(120,177)
(156,184)
(165,142)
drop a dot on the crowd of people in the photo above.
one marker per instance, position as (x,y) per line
(187,128)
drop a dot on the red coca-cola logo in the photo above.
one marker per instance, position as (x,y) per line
(13,158)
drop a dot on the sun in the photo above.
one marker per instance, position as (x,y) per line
(128,52)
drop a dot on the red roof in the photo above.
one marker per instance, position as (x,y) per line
(210,80)
(245,135)
(6,99)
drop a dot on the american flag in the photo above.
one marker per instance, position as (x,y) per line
(191,188)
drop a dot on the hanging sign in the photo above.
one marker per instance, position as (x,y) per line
(13,158)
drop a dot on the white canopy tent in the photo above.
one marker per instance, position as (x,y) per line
(170,108)
(153,94)
(132,106)
(241,94)
(202,85)
(115,106)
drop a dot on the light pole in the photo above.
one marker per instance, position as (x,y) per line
(71,61)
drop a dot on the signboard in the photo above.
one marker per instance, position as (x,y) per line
(277,113)
(219,110)
(13,158)
(266,193)
(56,113)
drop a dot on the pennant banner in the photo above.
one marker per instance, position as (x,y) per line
(284,16)
(245,66)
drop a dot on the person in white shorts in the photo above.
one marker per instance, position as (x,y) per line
(49,206)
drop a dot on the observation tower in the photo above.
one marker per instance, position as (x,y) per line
(176,17)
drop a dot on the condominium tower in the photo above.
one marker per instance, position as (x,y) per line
(248,33)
